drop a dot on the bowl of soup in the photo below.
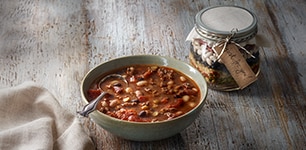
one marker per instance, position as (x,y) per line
(148,98)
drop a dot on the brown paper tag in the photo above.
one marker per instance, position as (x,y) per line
(236,65)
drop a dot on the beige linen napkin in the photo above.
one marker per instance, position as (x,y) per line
(31,119)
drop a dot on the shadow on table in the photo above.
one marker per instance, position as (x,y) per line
(279,78)
(175,142)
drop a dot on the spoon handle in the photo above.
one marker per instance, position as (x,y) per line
(91,106)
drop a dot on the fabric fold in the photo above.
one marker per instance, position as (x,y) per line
(31,118)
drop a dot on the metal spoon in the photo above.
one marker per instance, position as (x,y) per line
(92,105)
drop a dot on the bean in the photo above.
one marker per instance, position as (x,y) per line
(186,98)
(154,106)
(113,103)
(128,90)
(192,104)
(171,82)
(183,79)
(142,113)
(130,70)
(126,99)
(155,113)
(118,107)
(196,46)
(104,104)
(178,113)
(154,68)
(135,101)
(103,109)
(132,118)
(208,61)
(195,42)
(195,89)
(203,47)
(207,54)
(213,58)
(132,79)
(203,57)
(156,101)
(199,51)
(138,93)
(142,83)
(145,107)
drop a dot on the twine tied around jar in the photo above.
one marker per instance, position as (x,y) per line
(228,51)
(226,41)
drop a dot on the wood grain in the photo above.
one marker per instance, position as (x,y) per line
(55,43)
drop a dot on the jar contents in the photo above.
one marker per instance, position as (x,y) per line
(203,57)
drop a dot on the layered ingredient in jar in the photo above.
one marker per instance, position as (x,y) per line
(203,57)
(148,93)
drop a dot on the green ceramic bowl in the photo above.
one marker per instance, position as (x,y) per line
(140,131)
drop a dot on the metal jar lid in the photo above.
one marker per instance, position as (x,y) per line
(219,22)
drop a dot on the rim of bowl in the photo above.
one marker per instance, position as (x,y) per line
(154,56)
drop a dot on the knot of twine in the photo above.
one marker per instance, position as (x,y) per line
(228,40)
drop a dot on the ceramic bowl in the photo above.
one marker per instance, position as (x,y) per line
(145,131)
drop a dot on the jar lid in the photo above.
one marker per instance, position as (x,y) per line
(219,22)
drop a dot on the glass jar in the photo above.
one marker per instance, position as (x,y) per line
(213,26)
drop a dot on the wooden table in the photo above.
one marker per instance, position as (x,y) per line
(54,43)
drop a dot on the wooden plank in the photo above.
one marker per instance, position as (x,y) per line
(55,43)
(44,42)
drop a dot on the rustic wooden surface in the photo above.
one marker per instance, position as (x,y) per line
(54,43)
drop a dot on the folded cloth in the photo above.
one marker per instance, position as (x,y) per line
(31,118)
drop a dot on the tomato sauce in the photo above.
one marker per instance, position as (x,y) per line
(151,93)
